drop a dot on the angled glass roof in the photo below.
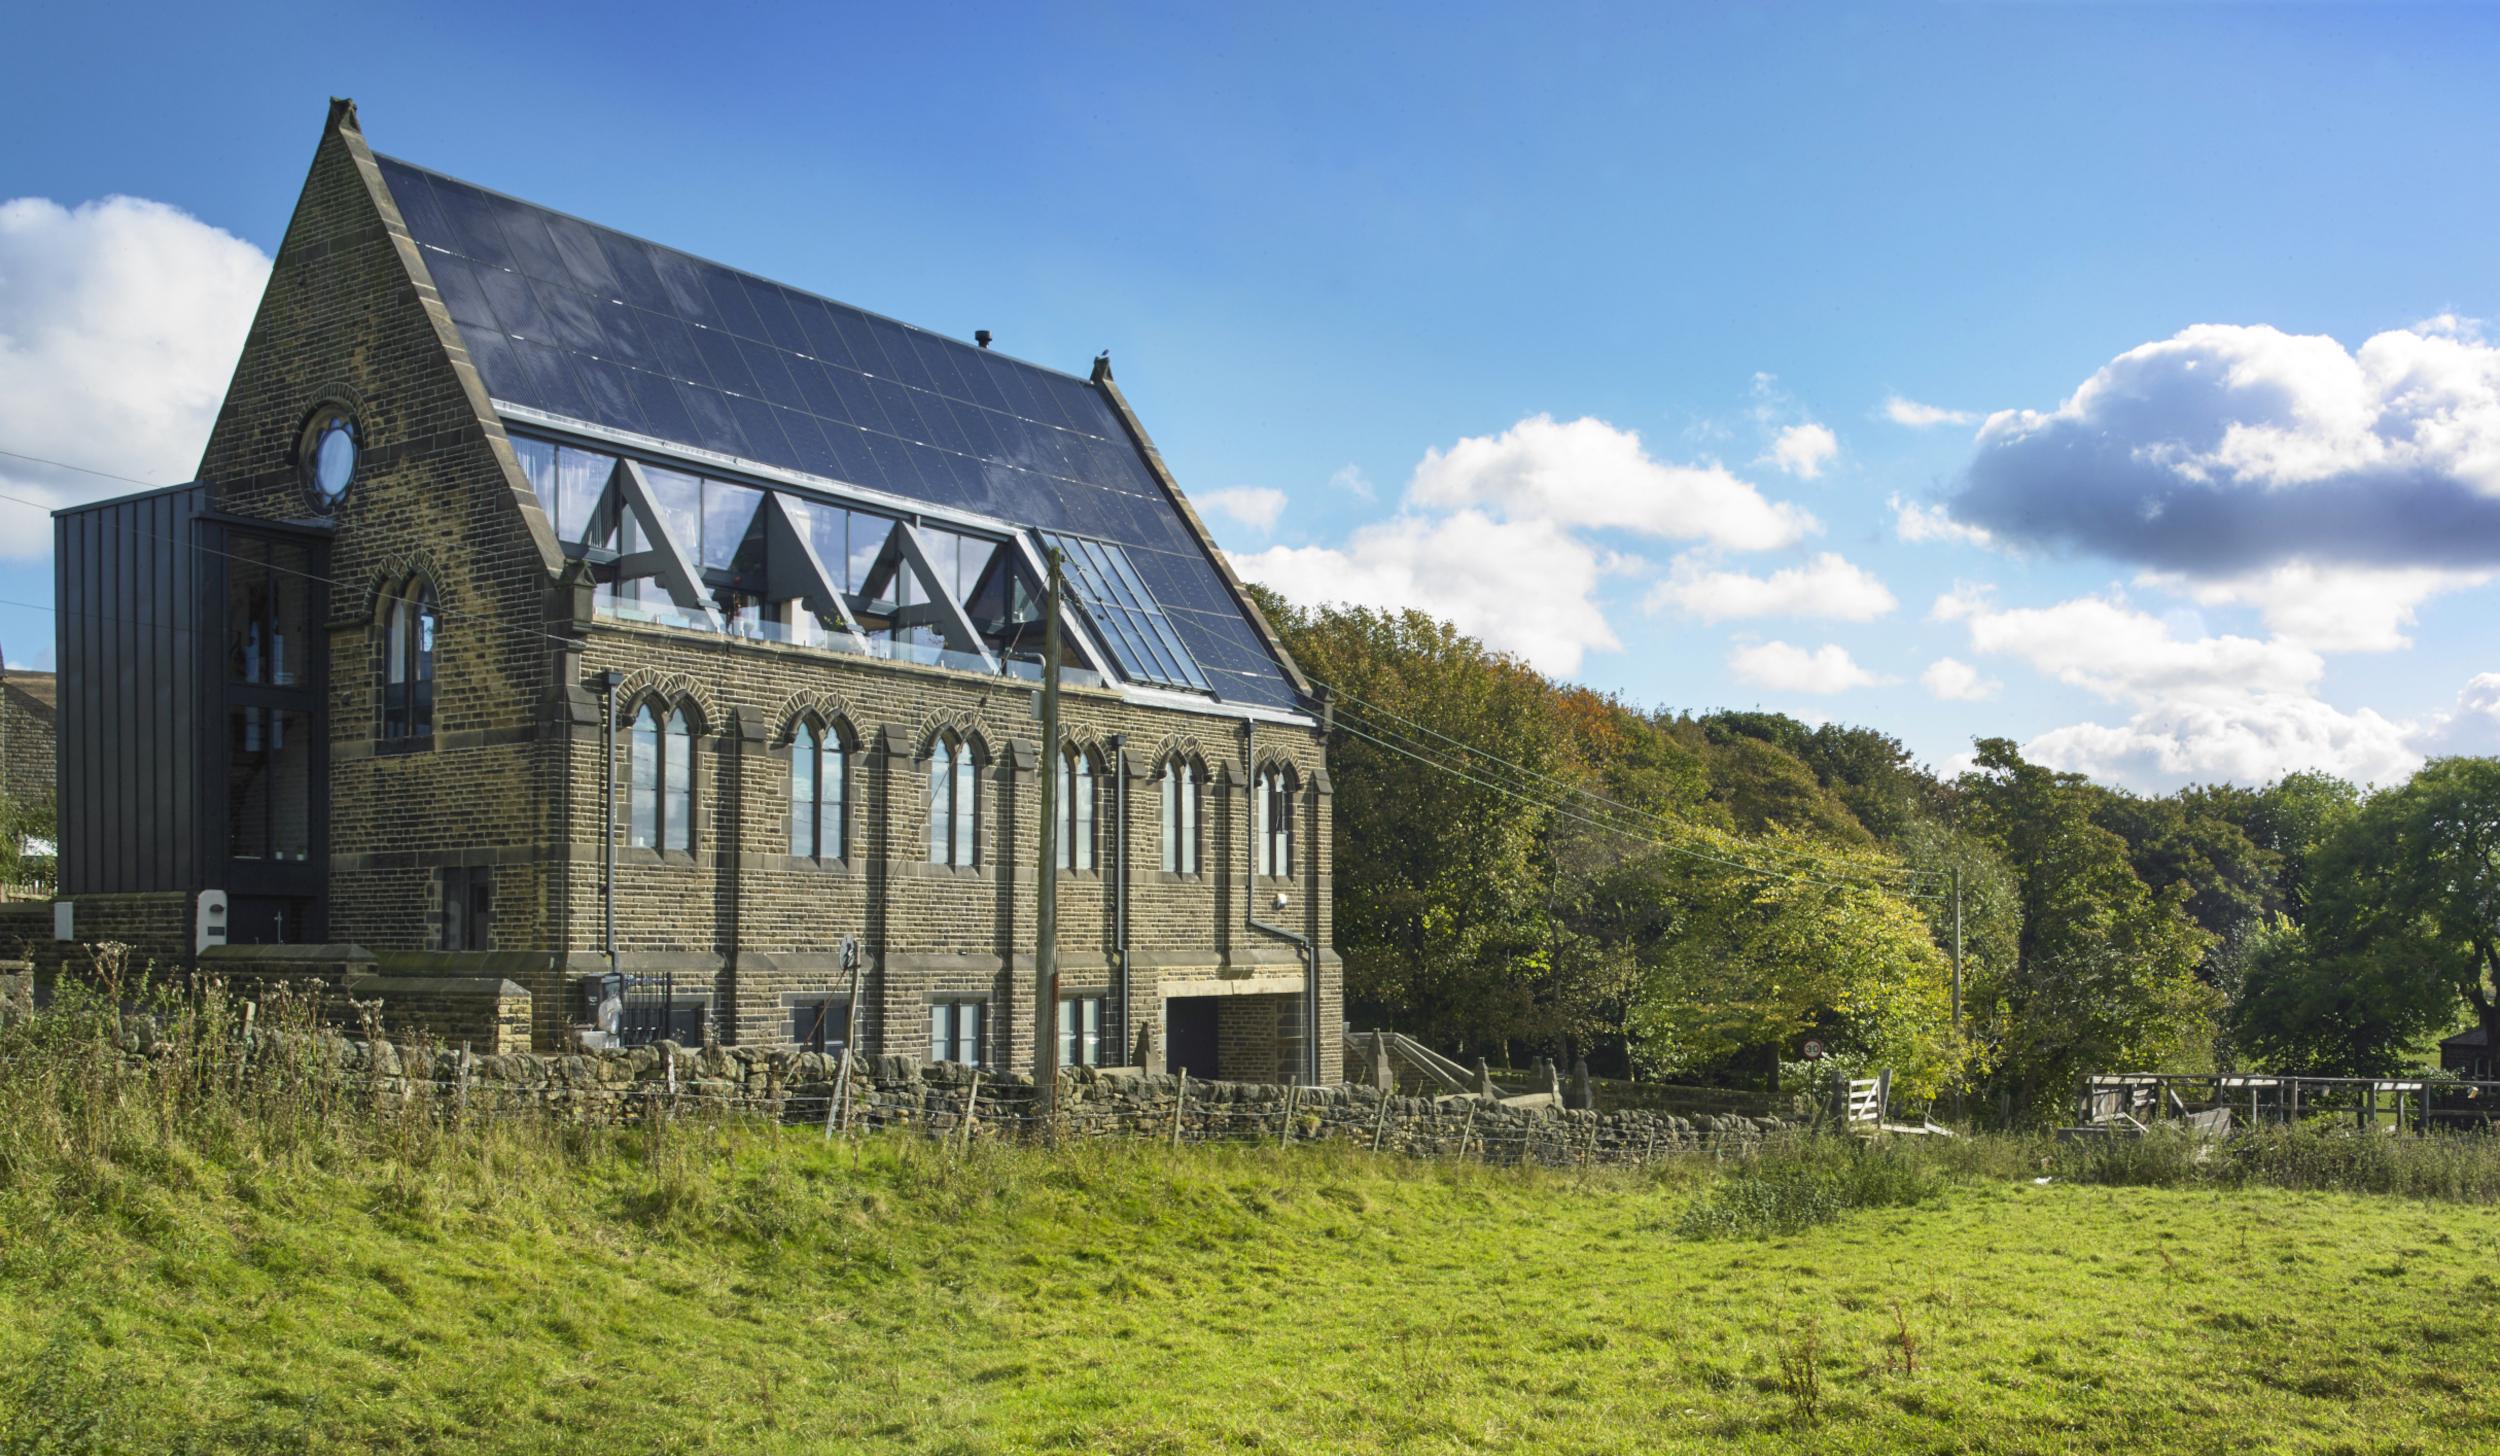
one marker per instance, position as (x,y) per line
(583,322)
(1124,614)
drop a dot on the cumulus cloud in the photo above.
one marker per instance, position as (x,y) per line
(2246,739)
(1916,522)
(1957,681)
(1803,450)
(120,321)
(1923,416)
(2327,608)
(1782,668)
(1827,586)
(1254,506)
(1525,587)
(2106,647)
(2203,706)
(1587,473)
(2472,726)
(2228,449)
(1350,480)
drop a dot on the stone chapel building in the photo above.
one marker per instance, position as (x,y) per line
(557,611)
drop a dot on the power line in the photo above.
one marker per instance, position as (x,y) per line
(1613,805)
(1906,871)
(1358,729)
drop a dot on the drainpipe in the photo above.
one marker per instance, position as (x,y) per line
(608,682)
(1250,912)
(1119,886)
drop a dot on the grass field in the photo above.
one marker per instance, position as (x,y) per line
(752,1290)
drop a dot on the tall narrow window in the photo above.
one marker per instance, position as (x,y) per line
(408,666)
(1274,821)
(1080,1031)
(954,802)
(660,780)
(955,1031)
(817,774)
(1076,810)
(643,781)
(1180,817)
(677,783)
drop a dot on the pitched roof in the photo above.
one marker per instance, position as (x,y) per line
(583,322)
(42,687)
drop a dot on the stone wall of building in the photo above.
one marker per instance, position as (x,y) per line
(28,745)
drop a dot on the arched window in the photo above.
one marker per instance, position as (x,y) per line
(408,666)
(1180,816)
(954,802)
(819,781)
(661,779)
(1273,824)
(1076,809)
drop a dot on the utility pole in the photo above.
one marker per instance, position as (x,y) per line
(1957,953)
(1046,866)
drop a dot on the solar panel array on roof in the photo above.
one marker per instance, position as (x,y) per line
(590,324)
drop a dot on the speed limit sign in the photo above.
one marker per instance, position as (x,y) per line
(1814,1051)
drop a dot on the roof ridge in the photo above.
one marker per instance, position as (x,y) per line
(515,197)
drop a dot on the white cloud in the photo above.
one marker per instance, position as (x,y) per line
(1957,681)
(1524,587)
(120,321)
(1587,473)
(1827,586)
(1351,480)
(1254,506)
(2326,608)
(2227,449)
(1803,450)
(2472,726)
(2106,647)
(2204,707)
(1917,523)
(2248,739)
(1923,416)
(1782,668)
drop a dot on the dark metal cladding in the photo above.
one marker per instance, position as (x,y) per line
(581,321)
(126,592)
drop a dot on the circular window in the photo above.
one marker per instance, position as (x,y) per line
(330,456)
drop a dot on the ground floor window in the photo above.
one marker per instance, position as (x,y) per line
(1080,1031)
(468,907)
(822,1024)
(955,1031)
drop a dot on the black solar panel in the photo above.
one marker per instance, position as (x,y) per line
(574,319)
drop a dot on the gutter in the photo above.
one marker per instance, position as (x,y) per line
(1119,888)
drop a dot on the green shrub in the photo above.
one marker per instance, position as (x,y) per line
(1797,1182)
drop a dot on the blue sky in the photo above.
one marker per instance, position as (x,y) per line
(1328,251)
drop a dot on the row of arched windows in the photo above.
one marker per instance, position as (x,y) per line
(660,797)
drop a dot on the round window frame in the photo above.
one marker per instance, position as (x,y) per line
(324,421)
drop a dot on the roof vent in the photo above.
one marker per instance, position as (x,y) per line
(981,337)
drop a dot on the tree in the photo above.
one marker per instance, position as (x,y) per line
(2105,976)
(1753,957)
(2406,906)
(1443,885)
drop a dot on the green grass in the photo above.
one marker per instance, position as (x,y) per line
(758,1291)
(193,1260)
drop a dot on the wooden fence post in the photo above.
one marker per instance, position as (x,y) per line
(1380,1124)
(463,1113)
(972,1106)
(1284,1133)
(1180,1099)
(835,1100)
(1469,1130)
